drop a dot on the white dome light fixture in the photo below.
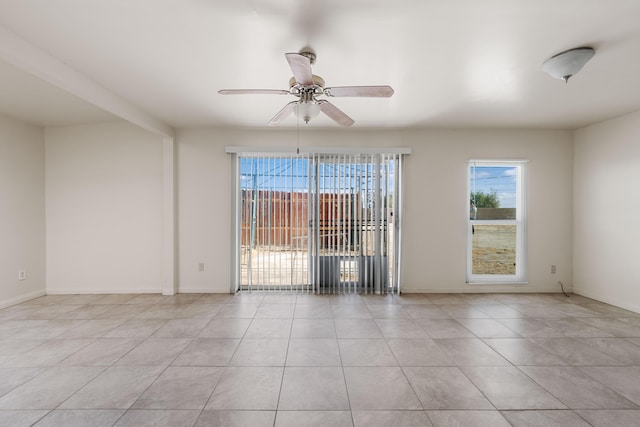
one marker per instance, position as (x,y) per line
(307,110)
(566,64)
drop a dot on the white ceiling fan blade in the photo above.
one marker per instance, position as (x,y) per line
(365,91)
(253,92)
(301,68)
(335,113)
(288,109)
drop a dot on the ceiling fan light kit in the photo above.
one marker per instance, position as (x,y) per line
(566,64)
(307,110)
(308,87)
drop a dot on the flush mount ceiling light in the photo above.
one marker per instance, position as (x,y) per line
(565,64)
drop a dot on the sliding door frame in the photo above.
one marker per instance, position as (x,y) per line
(317,153)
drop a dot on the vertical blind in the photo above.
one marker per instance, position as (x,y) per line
(274,219)
(319,222)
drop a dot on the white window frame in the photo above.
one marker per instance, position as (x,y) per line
(520,276)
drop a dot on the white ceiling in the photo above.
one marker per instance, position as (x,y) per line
(453,63)
(32,100)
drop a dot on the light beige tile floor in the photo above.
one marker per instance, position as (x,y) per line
(274,359)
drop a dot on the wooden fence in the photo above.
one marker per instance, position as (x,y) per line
(281,218)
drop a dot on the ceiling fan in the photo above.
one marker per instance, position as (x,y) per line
(307,87)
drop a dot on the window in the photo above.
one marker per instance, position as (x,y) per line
(496,226)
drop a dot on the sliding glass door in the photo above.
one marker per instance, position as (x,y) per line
(325,223)
(353,225)
(274,221)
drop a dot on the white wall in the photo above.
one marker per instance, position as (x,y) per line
(435,232)
(607,211)
(104,206)
(435,208)
(22,211)
(104,209)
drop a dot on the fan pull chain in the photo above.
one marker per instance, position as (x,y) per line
(297,132)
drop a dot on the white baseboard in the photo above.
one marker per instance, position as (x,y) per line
(493,289)
(22,298)
(467,289)
(202,291)
(613,301)
(101,291)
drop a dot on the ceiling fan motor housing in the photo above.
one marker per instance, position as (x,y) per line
(318,82)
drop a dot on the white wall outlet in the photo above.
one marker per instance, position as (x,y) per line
(201,266)
(553,269)
(22,275)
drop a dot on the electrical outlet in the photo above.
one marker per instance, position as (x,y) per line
(22,275)
(201,266)
(553,269)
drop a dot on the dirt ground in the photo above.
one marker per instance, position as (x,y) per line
(494,249)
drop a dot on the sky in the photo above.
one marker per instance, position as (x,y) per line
(292,174)
(502,179)
(274,173)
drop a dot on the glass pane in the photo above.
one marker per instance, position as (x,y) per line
(494,249)
(325,220)
(355,217)
(274,221)
(493,203)
(493,192)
